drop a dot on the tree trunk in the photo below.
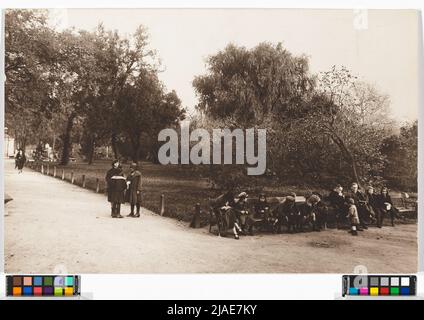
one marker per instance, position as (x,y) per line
(114,146)
(67,139)
(136,151)
(54,144)
(354,170)
(349,156)
(91,151)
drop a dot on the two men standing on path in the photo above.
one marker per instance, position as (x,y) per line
(121,190)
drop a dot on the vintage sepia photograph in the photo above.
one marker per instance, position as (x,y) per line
(211,140)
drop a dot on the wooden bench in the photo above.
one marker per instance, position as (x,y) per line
(272,201)
(407,206)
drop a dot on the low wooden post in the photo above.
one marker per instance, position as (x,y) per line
(195,222)
(42,169)
(97,185)
(162,204)
(54,171)
(72,177)
(48,169)
(83,180)
(63,174)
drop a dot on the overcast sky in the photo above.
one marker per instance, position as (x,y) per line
(381,46)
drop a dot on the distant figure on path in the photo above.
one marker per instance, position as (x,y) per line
(134,190)
(115,188)
(20,160)
(385,204)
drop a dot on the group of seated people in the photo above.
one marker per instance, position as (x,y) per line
(355,208)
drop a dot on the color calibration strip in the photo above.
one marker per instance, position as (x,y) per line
(45,285)
(376,285)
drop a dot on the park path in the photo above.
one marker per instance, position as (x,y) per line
(52,226)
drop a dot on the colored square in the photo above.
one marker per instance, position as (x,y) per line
(27,291)
(48,291)
(59,281)
(58,291)
(353,291)
(27,281)
(373,281)
(394,281)
(17,291)
(384,282)
(404,281)
(374,291)
(17,281)
(48,281)
(384,291)
(394,291)
(404,291)
(363,291)
(69,281)
(38,281)
(38,291)
(69,291)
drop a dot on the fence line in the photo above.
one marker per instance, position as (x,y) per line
(97,187)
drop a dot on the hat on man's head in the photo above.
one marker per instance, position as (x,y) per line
(314,199)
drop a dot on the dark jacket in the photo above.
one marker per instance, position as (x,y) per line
(134,189)
(336,200)
(261,208)
(373,201)
(381,199)
(287,210)
(112,172)
(117,189)
(359,198)
(20,160)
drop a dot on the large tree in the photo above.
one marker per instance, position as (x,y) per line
(253,85)
(143,109)
(29,55)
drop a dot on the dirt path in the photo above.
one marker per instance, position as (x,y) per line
(52,226)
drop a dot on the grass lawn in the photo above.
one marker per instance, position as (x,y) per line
(181,186)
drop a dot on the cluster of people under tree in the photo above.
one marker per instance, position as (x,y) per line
(121,190)
(20,160)
(355,208)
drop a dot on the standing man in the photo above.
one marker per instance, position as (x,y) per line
(134,190)
(337,205)
(360,201)
(116,186)
(385,204)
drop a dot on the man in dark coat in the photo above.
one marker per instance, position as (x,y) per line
(116,186)
(243,216)
(134,190)
(361,204)
(262,212)
(372,200)
(338,206)
(385,204)
(20,160)
(287,212)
